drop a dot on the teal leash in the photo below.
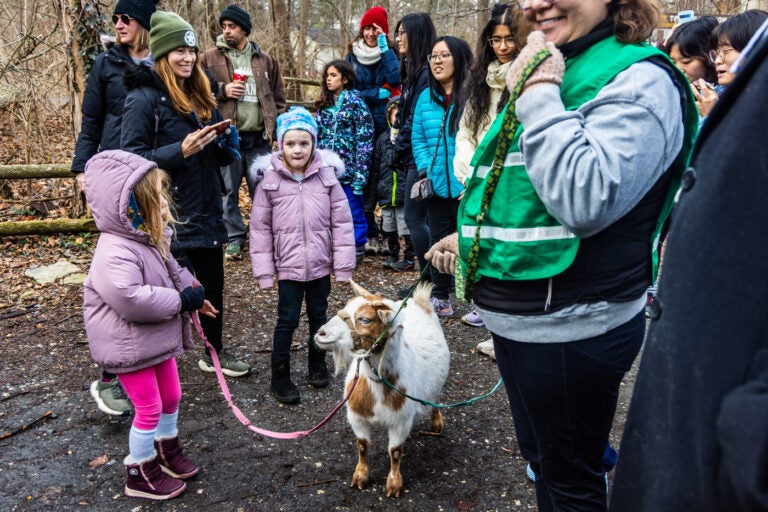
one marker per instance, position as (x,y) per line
(406,395)
(427,402)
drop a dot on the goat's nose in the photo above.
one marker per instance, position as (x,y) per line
(320,333)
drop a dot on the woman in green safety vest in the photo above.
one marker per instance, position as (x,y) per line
(558,227)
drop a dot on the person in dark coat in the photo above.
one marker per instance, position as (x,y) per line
(414,35)
(377,78)
(696,436)
(386,188)
(104,92)
(100,130)
(168,117)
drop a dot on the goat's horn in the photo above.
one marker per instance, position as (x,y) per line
(359,290)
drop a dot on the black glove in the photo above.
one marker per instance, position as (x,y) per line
(192,298)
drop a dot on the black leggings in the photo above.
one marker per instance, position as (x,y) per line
(208,267)
(416,219)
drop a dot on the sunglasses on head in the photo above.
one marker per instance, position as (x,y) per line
(122,17)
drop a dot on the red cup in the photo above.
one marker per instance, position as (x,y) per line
(237,77)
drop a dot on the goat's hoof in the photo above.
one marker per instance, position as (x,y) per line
(359,481)
(394,486)
(438,424)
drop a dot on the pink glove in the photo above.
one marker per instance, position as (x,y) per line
(443,254)
(550,71)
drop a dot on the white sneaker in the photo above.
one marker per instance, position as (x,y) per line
(486,347)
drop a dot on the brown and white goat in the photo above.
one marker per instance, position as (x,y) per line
(412,355)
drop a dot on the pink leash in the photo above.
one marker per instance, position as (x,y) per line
(238,413)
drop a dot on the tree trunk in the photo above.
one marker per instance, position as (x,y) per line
(284,53)
(16,172)
(302,43)
(483,14)
(75,72)
(45,227)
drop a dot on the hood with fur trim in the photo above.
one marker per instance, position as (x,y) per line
(321,158)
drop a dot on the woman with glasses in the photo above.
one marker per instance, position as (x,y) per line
(729,39)
(500,41)
(435,123)
(168,118)
(414,36)
(559,224)
(726,41)
(100,130)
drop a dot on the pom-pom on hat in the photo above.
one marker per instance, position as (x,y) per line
(168,32)
(298,118)
(237,15)
(375,16)
(140,10)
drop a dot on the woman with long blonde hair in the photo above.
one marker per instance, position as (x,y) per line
(169,118)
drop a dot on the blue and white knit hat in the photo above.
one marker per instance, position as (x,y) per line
(297,118)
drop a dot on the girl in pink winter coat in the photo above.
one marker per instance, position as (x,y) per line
(301,229)
(136,304)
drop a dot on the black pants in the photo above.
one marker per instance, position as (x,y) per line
(563,398)
(208,267)
(290,295)
(416,219)
(441,216)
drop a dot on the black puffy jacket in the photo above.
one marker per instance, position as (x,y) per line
(387,175)
(102,106)
(196,181)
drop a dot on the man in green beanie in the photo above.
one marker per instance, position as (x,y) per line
(250,93)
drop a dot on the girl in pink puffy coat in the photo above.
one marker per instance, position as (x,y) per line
(301,229)
(136,305)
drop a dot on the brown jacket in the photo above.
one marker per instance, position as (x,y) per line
(269,85)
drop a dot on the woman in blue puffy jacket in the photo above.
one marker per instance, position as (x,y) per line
(435,123)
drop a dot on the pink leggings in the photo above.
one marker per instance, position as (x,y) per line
(153,391)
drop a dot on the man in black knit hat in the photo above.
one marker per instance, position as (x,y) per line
(250,92)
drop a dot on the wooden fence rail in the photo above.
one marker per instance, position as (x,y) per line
(45,226)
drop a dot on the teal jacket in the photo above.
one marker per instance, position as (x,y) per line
(428,118)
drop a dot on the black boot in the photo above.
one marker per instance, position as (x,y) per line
(393,248)
(282,387)
(318,369)
(409,253)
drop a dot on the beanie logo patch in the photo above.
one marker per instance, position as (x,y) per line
(189,38)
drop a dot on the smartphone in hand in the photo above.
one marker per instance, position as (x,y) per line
(222,126)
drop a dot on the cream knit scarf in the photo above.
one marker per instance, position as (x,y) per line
(365,54)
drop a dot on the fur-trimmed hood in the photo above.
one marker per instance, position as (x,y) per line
(274,161)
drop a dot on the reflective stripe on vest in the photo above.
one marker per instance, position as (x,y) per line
(515,158)
(518,234)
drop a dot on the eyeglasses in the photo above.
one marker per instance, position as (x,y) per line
(122,17)
(400,34)
(439,56)
(496,41)
(720,52)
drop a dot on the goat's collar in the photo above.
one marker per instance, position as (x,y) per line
(364,342)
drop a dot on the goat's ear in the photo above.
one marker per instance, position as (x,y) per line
(359,290)
(385,314)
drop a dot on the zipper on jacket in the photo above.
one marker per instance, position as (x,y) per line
(447,171)
(394,188)
(305,249)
